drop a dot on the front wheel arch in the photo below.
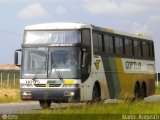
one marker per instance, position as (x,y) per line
(96,92)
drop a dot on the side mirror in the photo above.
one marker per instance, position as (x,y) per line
(16,57)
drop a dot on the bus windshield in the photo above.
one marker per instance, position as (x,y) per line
(51,62)
(64,61)
(34,62)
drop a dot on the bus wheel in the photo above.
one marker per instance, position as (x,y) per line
(45,104)
(137,91)
(96,94)
(143,90)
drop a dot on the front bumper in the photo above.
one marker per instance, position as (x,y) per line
(51,94)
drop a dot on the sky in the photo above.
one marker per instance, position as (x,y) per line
(132,16)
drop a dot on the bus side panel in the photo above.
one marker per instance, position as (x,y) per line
(128,80)
(97,75)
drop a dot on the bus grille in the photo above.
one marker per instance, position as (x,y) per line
(47,85)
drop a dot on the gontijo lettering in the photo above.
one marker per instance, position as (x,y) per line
(133,65)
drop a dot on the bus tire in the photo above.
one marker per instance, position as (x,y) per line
(96,93)
(137,91)
(143,90)
(45,104)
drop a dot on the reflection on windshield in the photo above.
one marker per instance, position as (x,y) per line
(51,37)
(35,62)
(54,62)
(64,60)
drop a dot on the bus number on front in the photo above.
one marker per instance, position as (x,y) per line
(32,82)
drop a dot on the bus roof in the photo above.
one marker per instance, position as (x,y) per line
(67,25)
(51,26)
(112,31)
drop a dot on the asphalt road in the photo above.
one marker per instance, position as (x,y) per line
(29,107)
(24,108)
(18,108)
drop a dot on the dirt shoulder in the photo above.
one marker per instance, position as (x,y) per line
(9,95)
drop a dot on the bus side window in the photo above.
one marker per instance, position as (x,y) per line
(119,46)
(137,49)
(151,49)
(108,41)
(101,43)
(95,42)
(128,47)
(145,49)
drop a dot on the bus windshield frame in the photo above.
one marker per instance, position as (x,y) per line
(48,62)
(39,47)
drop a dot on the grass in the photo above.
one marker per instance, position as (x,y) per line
(119,108)
(120,111)
(9,78)
(157,90)
(9,95)
(124,110)
(9,89)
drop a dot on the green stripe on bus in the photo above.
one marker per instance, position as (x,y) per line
(111,76)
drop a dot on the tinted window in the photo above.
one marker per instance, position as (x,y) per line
(145,49)
(119,45)
(128,47)
(95,42)
(151,47)
(86,44)
(137,48)
(86,39)
(101,43)
(108,41)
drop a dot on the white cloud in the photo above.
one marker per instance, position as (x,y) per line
(120,7)
(60,10)
(34,10)
(151,27)
(8,0)
(22,1)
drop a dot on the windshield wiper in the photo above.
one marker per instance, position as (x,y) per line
(35,77)
(57,72)
(38,72)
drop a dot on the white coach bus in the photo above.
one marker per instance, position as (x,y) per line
(64,62)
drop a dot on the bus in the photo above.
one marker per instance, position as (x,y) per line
(76,62)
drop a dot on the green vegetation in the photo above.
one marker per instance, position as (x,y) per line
(9,100)
(158,90)
(119,108)
(9,95)
(119,111)
(124,110)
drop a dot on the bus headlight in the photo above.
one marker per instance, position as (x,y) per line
(68,93)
